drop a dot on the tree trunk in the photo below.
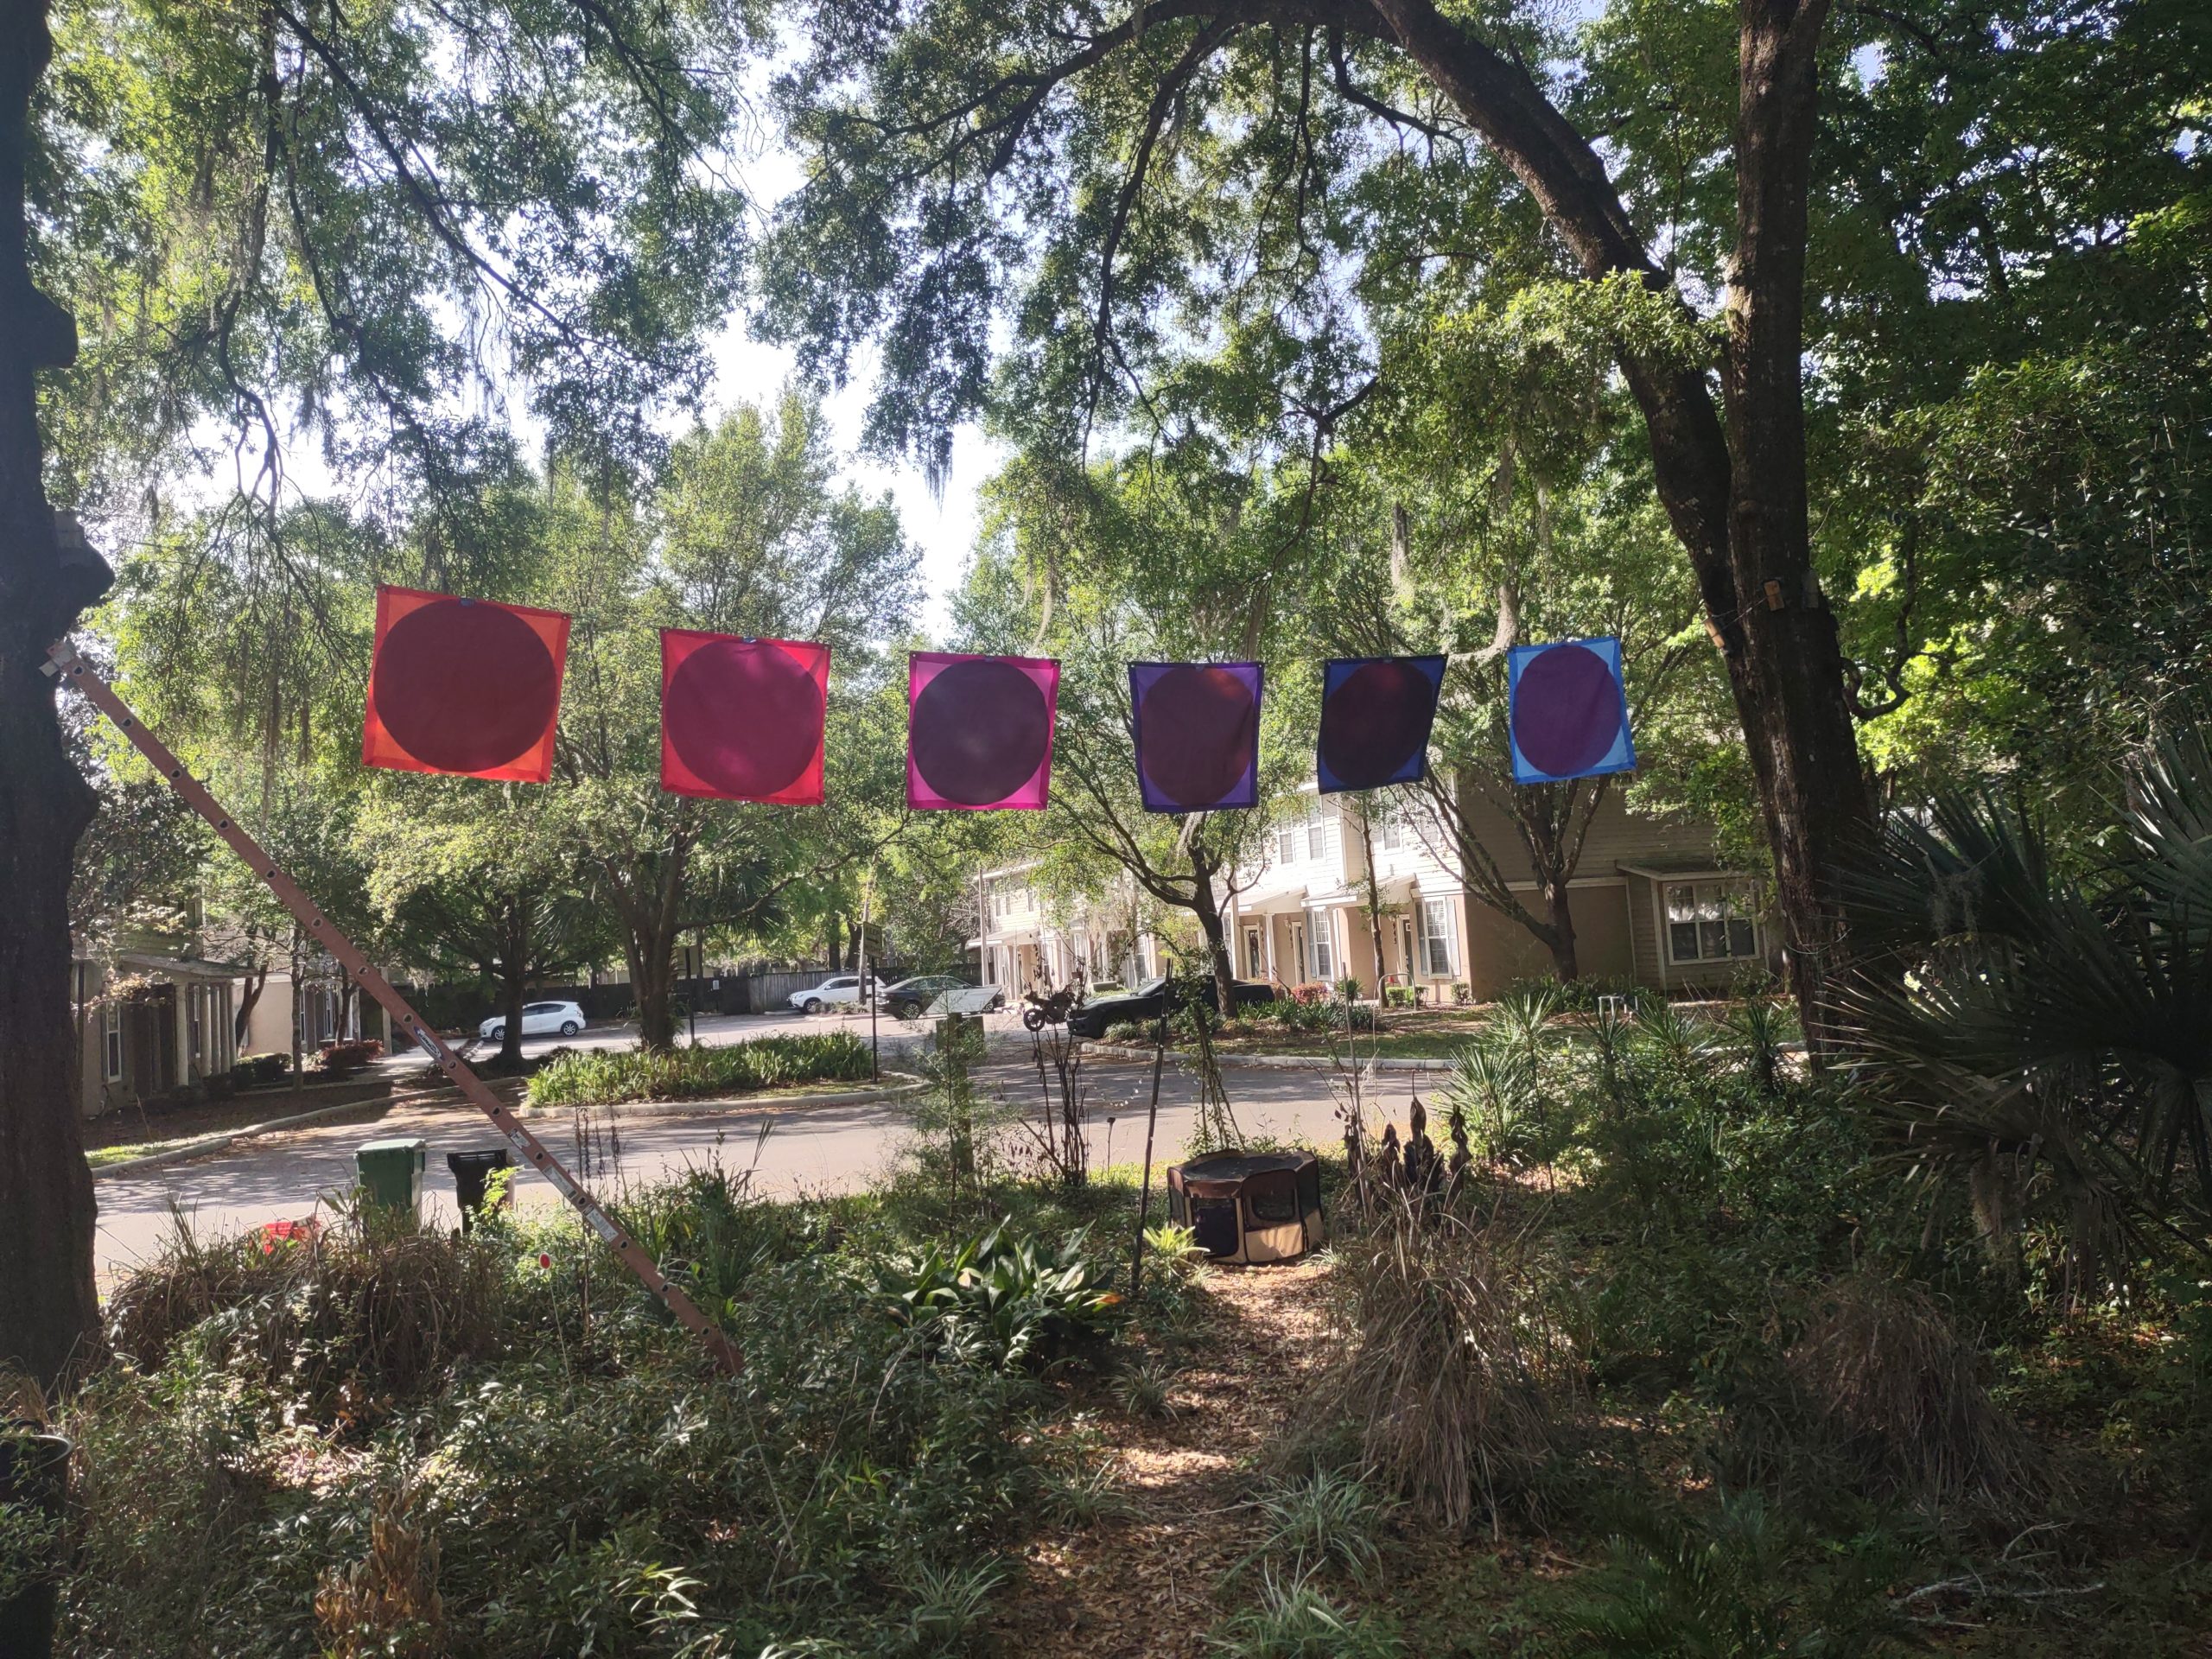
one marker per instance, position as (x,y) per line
(514,978)
(49,1314)
(1562,939)
(1788,675)
(249,998)
(1207,909)
(652,975)
(1373,905)
(1736,496)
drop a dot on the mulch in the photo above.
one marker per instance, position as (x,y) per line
(1143,1586)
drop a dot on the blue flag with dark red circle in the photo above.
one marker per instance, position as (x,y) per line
(1568,711)
(1375,716)
(1198,734)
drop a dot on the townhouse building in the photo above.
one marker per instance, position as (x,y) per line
(1028,938)
(1651,902)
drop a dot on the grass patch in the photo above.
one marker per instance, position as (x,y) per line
(611,1077)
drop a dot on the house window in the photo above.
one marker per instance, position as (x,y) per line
(111,1040)
(1712,921)
(1325,966)
(1286,843)
(1317,835)
(1436,939)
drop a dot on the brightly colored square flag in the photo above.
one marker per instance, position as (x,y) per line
(1568,711)
(464,686)
(979,731)
(741,720)
(1375,716)
(1198,734)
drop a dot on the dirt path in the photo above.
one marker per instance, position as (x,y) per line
(1142,1586)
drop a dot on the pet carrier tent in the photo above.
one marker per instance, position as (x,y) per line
(1249,1206)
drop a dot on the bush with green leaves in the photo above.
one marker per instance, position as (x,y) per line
(1297,1621)
(610,1077)
(586,1483)
(994,1301)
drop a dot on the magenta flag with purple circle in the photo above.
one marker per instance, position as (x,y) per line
(464,686)
(979,731)
(1197,734)
(741,720)
(1568,711)
(1375,716)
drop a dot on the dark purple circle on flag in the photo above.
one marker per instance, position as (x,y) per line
(1566,710)
(1196,729)
(979,731)
(1376,721)
(744,716)
(463,687)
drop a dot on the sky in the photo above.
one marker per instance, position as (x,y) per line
(751,371)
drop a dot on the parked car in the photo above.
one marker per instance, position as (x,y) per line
(910,999)
(1143,1004)
(539,1019)
(840,990)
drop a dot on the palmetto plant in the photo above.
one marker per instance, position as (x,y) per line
(2041,1037)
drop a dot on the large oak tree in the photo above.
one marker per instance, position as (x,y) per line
(1139,178)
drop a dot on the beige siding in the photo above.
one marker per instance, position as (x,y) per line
(1503,950)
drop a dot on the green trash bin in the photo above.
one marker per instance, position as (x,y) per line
(392,1173)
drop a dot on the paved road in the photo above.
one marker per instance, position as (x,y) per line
(809,1149)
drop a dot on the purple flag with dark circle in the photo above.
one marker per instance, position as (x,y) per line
(1198,734)
(1375,716)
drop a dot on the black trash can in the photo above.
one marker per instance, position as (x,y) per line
(472,1173)
(34,1472)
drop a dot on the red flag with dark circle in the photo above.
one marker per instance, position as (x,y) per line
(742,720)
(464,686)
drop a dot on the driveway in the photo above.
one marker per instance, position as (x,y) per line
(804,1150)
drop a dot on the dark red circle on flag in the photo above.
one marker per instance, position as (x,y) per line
(979,731)
(744,716)
(465,687)
(1376,721)
(1566,710)
(1196,728)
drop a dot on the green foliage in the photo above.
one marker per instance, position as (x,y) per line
(1733,1583)
(993,1301)
(1327,1523)
(607,1076)
(1299,1622)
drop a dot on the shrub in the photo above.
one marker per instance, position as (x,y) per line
(1144,1389)
(609,1077)
(1398,996)
(1894,1390)
(1328,1523)
(343,1060)
(253,1070)
(1298,1622)
(1456,1373)
(1135,1032)
(995,1302)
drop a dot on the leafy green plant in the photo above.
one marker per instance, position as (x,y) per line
(1492,1089)
(1298,1622)
(1734,1583)
(1080,1497)
(1327,1522)
(993,1301)
(609,1077)
(1143,1389)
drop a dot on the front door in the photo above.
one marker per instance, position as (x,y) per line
(1255,964)
(1297,951)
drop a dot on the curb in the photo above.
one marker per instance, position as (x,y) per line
(230,1138)
(1275,1062)
(913,1085)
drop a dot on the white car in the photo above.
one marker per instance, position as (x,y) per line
(841,990)
(539,1019)
(910,999)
